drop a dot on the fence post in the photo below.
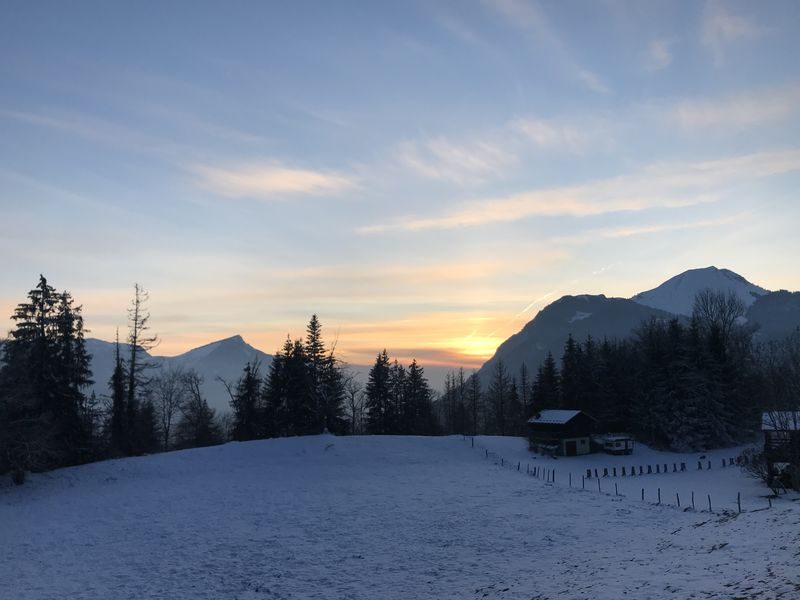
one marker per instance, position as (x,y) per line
(658,468)
(709,465)
(598,485)
(770,501)
(683,467)
(487,453)
(678,496)
(623,471)
(583,482)
(709,503)
(502,462)
(739,500)
(642,494)
(692,499)
(554,475)
(615,471)
(659,495)
(518,466)
(570,480)
(473,442)
(649,469)
(616,489)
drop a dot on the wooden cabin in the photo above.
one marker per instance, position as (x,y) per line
(781,443)
(561,432)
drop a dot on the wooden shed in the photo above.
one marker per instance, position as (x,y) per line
(561,432)
(782,444)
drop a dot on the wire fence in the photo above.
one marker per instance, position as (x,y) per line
(593,481)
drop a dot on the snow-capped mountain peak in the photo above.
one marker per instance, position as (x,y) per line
(677,295)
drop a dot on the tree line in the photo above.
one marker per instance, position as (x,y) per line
(679,384)
(47,419)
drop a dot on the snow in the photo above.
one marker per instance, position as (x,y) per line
(721,483)
(554,417)
(677,295)
(580,316)
(365,518)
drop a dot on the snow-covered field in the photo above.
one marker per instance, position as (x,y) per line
(723,484)
(372,518)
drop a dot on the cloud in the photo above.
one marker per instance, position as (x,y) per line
(660,185)
(721,28)
(531,19)
(461,163)
(271,180)
(571,136)
(659,55)
(751,108)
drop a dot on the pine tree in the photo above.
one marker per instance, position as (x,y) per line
(245,402)
(378,396)
(418,415)
(314,350)
(120,424)
(546,393)
(42,383)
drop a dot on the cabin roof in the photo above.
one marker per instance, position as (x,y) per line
(554,417)
(785,420)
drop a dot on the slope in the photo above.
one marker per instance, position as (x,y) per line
(580,316)
(365,518)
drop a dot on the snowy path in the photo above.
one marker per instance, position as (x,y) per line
(369,518)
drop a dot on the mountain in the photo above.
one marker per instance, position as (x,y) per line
(224,358)
(677,295)
(774,315)
(580,316)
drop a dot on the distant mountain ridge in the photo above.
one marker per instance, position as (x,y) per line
(224,359)
(774,314)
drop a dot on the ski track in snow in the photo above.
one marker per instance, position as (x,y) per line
(369,518)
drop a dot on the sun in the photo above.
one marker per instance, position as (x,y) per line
(477,346)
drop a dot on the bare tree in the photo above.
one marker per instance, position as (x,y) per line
(199,425)
(354,401)
(718,309)
(140,342)
(170,394)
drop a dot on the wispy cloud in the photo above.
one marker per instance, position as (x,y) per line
(659,55)
(577,135)
(463,163)
(95,130)
(661,185)
(721,28)
(750,108)
(271,181)
(529,17)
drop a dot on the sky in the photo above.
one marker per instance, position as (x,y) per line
(423,175)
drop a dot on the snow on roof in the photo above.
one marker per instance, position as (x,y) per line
(554,417)
(780,421)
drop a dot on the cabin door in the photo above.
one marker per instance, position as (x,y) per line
(571,448)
